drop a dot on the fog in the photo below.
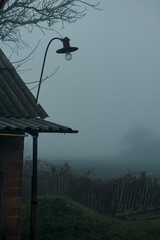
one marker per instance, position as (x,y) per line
(110,91)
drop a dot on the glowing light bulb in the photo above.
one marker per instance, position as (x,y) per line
(68,56)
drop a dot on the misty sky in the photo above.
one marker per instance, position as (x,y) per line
(112,84)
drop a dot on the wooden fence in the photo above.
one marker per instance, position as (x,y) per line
(115,196)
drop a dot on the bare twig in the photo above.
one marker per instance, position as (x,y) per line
(44,79)
(27,57)
(43,14)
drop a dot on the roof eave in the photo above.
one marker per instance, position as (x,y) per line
(8,131)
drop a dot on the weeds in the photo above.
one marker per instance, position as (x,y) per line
(61,218)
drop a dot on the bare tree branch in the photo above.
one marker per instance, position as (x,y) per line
(42,14)
(20,62)
(44,79)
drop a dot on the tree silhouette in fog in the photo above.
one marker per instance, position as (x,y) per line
(141,145)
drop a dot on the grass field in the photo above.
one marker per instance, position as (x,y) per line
(61,218)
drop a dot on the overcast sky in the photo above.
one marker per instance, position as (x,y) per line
(111,85)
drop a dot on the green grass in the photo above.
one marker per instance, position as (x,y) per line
(61,218)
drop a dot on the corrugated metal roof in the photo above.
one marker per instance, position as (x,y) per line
(18,110)
(16,100)
(30,125)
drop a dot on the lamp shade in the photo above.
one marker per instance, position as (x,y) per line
(66,46)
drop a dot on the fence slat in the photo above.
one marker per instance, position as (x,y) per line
(106,196)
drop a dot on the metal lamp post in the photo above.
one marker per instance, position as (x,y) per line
(67,49)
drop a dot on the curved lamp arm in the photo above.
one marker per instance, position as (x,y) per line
(66,49)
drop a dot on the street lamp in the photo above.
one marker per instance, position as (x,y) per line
(67,49)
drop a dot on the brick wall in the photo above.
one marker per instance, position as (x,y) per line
(11,163)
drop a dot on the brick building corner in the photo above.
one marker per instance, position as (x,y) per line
(11,165)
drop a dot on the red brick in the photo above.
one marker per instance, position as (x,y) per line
(9,139)
(9,231)
(15,165)
(13,192)
(12,212)
(12,221)
(13,202)
(16,173)
(11,165)
(2,164)
(13,183)
(11,147)
(7,143)
(16,146)
(19,211)
(9,157)
(2,145)
(2,155)
(13,155)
